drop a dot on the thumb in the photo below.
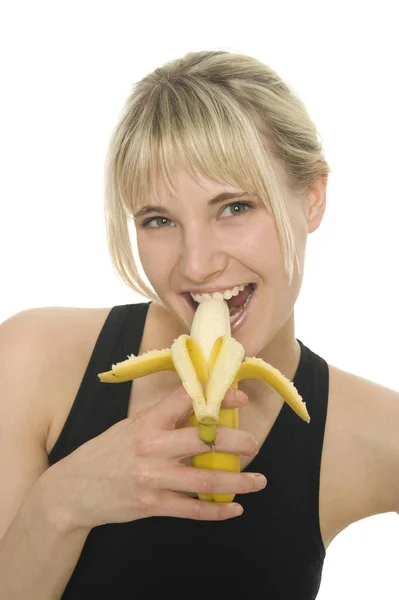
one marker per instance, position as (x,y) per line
(175,408)
(171,409)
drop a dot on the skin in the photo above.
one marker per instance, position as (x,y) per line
(134,469)
(201,247)
(198,247)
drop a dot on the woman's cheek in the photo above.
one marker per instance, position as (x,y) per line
(155,258)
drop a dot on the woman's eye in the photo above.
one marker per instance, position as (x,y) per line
(156,222)
(237,208)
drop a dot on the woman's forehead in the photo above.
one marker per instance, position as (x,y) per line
(183,181)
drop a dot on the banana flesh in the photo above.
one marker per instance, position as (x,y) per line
(208,362)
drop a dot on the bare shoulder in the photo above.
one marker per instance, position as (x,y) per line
(43,355)
(51,347)
(39,336)
(360,466)
(50,340)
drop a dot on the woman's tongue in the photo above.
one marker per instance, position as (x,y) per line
(236,302)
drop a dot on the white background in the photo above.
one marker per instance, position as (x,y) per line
(66,69)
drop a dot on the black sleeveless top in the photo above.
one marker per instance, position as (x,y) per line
(274,549)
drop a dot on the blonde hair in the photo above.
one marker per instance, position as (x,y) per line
(224,115)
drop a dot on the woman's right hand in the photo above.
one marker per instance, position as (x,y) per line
(134,469)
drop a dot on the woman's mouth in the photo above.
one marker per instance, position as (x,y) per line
(238,305)
(239,314)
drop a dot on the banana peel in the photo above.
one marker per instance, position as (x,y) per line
(208,362)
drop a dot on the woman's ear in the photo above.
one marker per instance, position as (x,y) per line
(316,197)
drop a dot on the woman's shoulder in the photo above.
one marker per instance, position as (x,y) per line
(47,316)
(360,468)
(46,332)
(52,337)
(365,409)
(46,350)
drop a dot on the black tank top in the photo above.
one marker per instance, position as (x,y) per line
(274,549)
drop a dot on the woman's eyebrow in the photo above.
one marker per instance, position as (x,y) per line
(158,208)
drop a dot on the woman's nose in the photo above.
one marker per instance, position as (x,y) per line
(201,258)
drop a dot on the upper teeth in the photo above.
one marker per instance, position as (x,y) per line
(226,295)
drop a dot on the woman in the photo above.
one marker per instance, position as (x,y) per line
(220,169)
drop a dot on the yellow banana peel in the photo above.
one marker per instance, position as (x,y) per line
(208,362)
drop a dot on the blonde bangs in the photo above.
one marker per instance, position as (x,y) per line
(202,132)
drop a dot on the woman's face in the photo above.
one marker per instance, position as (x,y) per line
(196,244)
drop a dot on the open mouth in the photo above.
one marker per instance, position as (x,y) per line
(236,304)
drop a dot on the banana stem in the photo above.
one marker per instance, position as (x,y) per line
(207,433)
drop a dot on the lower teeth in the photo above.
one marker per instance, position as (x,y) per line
(237,314)
(233,317)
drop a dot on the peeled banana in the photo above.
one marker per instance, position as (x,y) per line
(208,362)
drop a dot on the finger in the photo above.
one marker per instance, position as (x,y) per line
(184,442)
(208,481)
(178,406)
(171,409)
(172,504)
(234,398)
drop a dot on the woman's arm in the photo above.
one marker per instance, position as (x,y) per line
(132,470)
(40,549)
(38,546)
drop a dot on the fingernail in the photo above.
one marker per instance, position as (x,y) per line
(242,396)
(238,510)
(260,480)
